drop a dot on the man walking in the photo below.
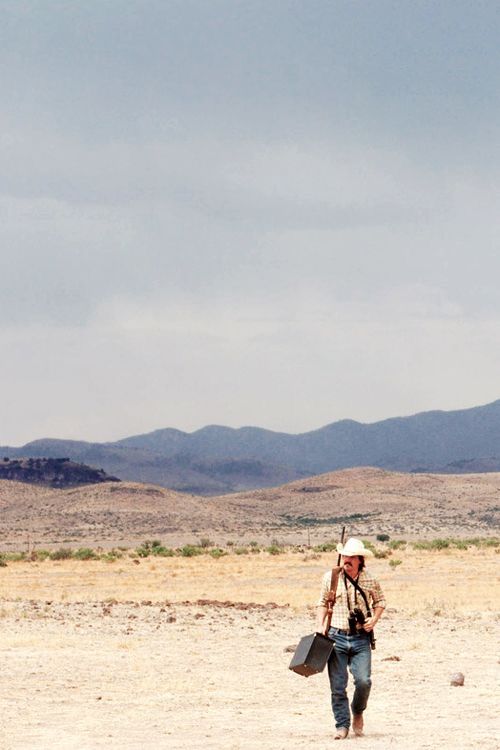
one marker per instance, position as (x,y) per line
(358,605)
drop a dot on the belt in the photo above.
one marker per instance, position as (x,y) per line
(348,632)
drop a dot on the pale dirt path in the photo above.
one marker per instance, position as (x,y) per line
(74,676)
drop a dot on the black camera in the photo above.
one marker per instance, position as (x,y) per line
(356,617)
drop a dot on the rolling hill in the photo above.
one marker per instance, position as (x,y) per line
(367,500)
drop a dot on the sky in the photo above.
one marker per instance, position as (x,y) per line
(273,213)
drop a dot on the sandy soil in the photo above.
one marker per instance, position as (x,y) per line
(83,670)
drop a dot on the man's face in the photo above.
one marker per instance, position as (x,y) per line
(351,565)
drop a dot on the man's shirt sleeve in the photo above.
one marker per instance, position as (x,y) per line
(325,590)
(376,593)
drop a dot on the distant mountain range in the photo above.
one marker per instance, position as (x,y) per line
(216,460)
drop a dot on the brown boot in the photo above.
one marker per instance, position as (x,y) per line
(357,724)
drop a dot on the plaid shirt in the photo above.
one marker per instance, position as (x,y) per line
(347,598)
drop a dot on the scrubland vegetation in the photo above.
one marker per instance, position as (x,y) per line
(381,549)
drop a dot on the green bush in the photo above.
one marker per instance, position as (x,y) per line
(440,544)
(217,552)
(149,547)
(85,553)
(383,537)
(240,551)
(15,556)
(162,551)
(39,555)
(435,544)
(491,542)
(382,553)
(395,562)
(110,556)
(274,549)
(190,550)
(325,547)
(397,544)
(63,553)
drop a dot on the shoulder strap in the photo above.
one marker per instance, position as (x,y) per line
(358,588)
(332,594)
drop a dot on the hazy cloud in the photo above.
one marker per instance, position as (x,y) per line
(277,213)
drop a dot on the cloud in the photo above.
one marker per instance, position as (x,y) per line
(134,370)
(205,220)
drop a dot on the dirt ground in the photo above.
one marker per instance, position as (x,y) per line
(84,669)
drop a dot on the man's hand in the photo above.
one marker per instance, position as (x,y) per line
(368,624)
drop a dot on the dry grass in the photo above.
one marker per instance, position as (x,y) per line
(434,581)
(84,669)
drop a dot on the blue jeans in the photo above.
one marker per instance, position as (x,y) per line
(351,651)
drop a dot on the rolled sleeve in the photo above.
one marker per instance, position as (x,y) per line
(325,590)
(377,595)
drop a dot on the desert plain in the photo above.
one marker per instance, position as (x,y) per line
(193,652)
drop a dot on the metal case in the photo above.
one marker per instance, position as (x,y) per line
(311,654)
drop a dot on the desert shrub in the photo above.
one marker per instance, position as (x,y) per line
(478,541)
(190,550)
(205,542)
(421,545)
(397,544)
(240,551)
(150,547)
(110,556)
(15,556)
(440,544)
(369,545)
(39,555)
(383,537)
(491,542)
(382,553)
(85,553)
(217,552)
(395,562)
(434,544)
(3,561)
(325,547)
(162,551)
(275,549)
(63,553)
(253,544)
